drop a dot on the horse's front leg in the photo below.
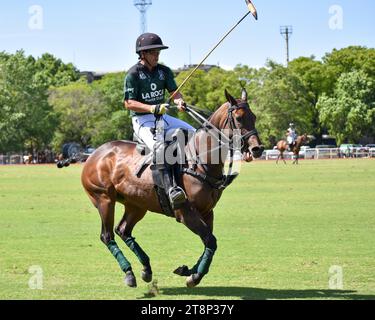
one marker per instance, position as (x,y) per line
(192,219)
(295,159)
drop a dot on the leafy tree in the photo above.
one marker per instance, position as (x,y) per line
(195,89)
(194,92)
(91,114)
(75,104)
(219,80)
(26,119)
(314,75)
(53,72)
(113,122)
(352,58)
(206,89)
(317,79)
(336,93)
(350,113)
(280,98)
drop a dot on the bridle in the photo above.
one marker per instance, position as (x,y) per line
(225,180)
(232,123)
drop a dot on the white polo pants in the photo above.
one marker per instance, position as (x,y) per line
(142,126)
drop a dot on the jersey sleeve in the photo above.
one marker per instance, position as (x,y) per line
(130,88)
(170,81)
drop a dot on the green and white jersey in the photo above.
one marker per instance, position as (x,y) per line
(148,87)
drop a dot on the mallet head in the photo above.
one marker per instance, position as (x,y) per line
(252,9)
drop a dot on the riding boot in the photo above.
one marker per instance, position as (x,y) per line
(176,194)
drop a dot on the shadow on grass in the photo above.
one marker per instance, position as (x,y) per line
(264,294)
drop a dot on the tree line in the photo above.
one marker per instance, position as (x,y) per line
(45,103)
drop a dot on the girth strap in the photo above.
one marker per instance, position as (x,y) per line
(216,183)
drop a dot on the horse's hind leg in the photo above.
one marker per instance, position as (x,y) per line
(106,207)
(124,230)
(192,219)
(282,157)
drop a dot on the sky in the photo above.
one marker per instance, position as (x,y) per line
(100,35)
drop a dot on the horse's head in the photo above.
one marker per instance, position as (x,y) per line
(236,115)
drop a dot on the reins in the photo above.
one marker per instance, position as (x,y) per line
(226,179)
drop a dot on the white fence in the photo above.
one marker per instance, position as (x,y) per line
(22,158)
(307,153)
(323,153)
(11,159)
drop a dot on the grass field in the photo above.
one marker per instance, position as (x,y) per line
(279,228)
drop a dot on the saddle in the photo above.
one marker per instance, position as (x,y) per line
(149,159)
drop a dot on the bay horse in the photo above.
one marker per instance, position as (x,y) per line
(108,176)
(282,146)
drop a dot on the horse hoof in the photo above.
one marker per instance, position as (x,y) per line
(146,275)
(182,271)
(193,280)
(130,280)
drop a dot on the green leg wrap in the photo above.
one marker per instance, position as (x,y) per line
(141,255)
(116,252)
(194,269)
(206,260)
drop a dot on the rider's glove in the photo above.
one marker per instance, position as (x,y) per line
(159,109)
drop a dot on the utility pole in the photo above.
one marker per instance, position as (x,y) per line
(286,31)
(142,6)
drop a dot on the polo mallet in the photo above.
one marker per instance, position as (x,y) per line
(252,10)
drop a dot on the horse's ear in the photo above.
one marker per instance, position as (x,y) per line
(244,95)
(230,99)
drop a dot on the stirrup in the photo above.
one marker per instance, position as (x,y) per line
(177,196)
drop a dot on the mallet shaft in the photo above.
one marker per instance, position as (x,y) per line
(252,10)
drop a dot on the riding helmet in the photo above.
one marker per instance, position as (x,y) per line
(149,41)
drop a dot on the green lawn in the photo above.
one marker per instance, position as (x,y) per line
(279,228)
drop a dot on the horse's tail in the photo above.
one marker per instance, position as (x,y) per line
(67,162)
(71,153)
